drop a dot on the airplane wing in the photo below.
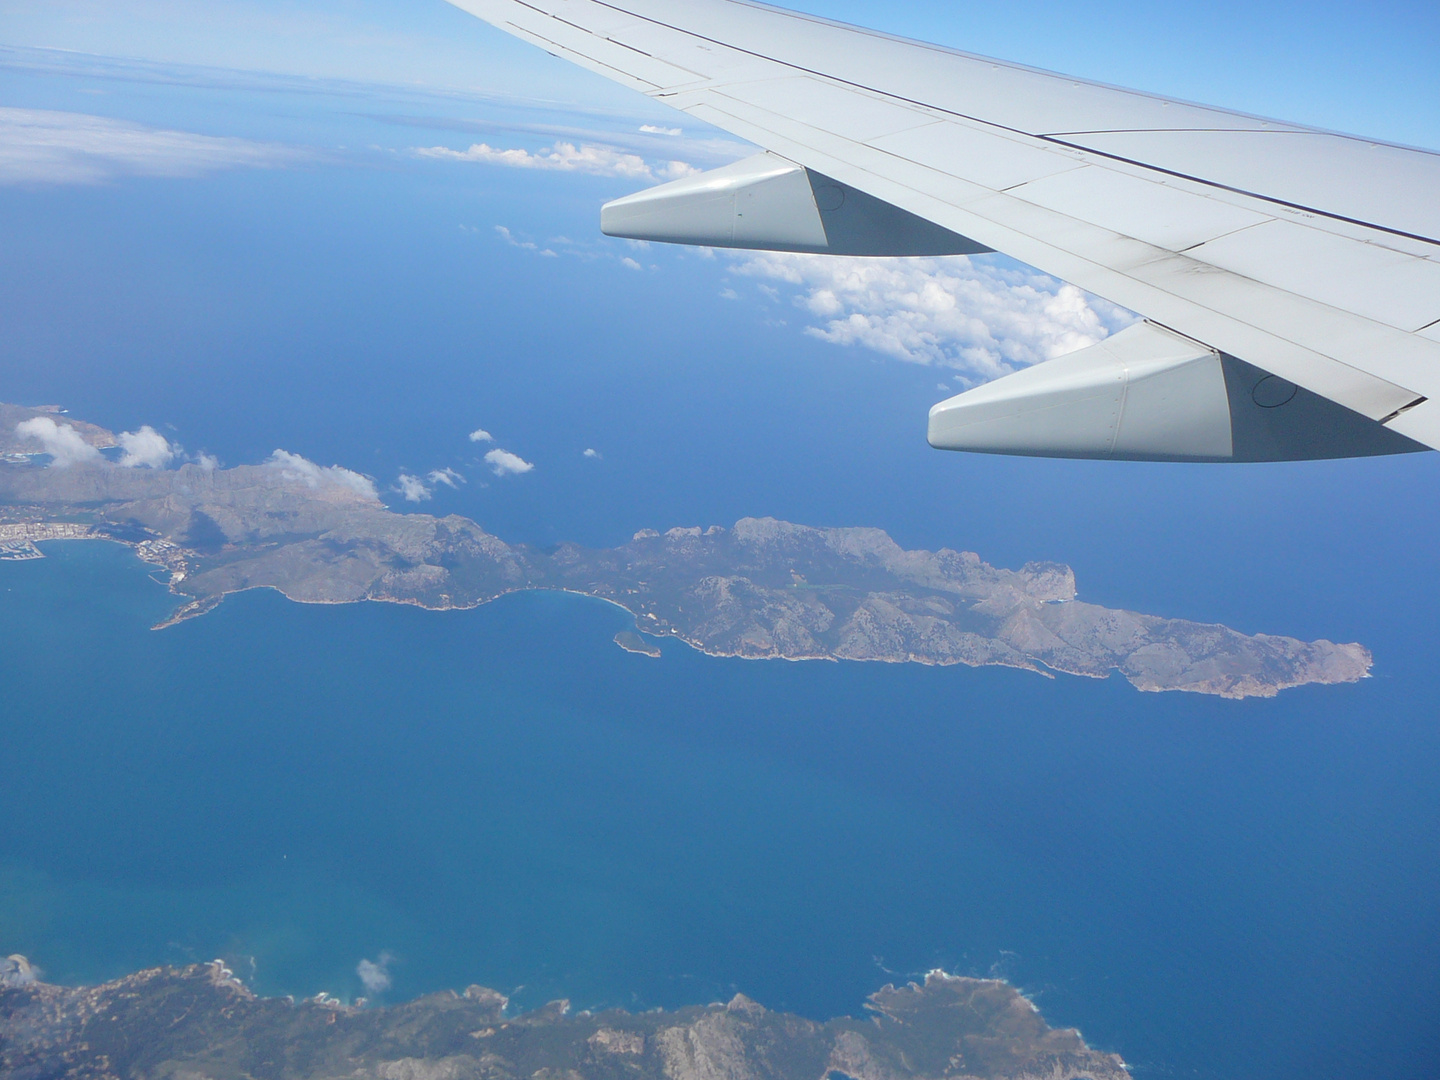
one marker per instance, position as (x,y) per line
(1290,277)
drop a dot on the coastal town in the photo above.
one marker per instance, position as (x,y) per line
(18,539)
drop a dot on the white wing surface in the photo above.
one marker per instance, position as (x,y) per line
(1311,256)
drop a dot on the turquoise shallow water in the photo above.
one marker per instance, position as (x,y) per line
(503,796)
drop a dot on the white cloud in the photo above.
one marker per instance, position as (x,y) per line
(983,317)
(529,245)
(17,971)
(656,129)
(481,435)
(145,448)
(208,462)
(504,463)
(591,453)
(295,467)
(585,250)
(412,487)
(567,157)
(375,974)
(39,146)
(447,476)
(62,442)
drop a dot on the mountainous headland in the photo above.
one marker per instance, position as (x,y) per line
(760,589)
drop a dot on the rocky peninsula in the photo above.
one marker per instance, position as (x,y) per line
(200,1021)
(760,589)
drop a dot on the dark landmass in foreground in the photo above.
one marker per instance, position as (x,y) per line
(764,589)
(199,1021)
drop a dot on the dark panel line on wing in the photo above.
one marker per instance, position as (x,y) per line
(1279,128)
(1242,191)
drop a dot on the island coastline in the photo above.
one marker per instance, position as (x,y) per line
(760,589)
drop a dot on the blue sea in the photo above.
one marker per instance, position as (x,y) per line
(502,796)
(1212,889)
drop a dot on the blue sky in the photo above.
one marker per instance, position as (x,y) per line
(1367,68)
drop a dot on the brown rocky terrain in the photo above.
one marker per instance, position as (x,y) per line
(200,1021)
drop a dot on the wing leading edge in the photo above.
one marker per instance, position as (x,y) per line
(1301,254)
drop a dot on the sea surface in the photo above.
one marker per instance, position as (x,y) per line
(1228,890)
(503,796)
